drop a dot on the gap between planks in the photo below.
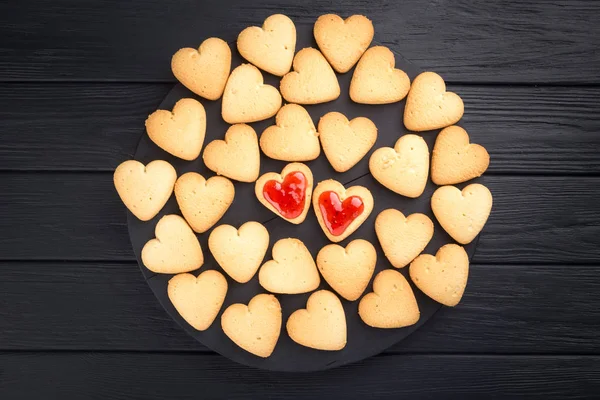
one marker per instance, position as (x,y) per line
(386,353)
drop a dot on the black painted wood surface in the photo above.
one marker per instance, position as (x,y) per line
(77,80)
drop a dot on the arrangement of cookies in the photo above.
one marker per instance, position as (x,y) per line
(307,77)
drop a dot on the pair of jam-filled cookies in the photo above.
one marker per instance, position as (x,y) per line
(339,210)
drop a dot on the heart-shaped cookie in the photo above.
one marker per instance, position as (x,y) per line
(443,277)
(144,189)
(454,159)
(402,238)
(429,106)
(239,251)
(287,194)
(256,327)
(237,157)
(321,325)
(271,48)
(462,213)
(342,42)
(392,303)
(203,201)
(204,71)
(179,132)
(312,81)
(293,137)
(292,269)
(348,271)
(341,211)
(198,300)
(345,142)
(247,98)
(404,168)
(376,80)
(174,250)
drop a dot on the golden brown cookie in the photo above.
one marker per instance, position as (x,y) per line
(292,269)
(348,270)
(203,201)
(392,303)
(429,106)
(342,42)
(321,325)
(287,194)
(271,47)
(462,214)
(176,248)
(204,71)
(198,300)
(312,81)
(404,168)
(341,211)
(247,98)
(179,132)
(376,80)
(443,277)
(454,159)
(293,137)
(239,251)
(402,238)
(237,157)
(144,189)
(345,142)
(256,327)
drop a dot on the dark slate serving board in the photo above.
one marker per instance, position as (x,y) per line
(363,341)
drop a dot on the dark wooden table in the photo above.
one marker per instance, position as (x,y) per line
(77,80)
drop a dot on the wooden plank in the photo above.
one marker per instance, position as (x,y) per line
(95,127)
(107,306)
(500,41)
(78,216)
(73,126)
(113,376)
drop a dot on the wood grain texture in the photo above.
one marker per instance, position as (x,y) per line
(78,216)
(113,376)
(95,127)
(494,41)
(516,309)
(73,126)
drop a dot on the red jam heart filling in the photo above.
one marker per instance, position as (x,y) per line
(337,215)
(287,197)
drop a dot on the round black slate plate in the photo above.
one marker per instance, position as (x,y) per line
(363,341)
